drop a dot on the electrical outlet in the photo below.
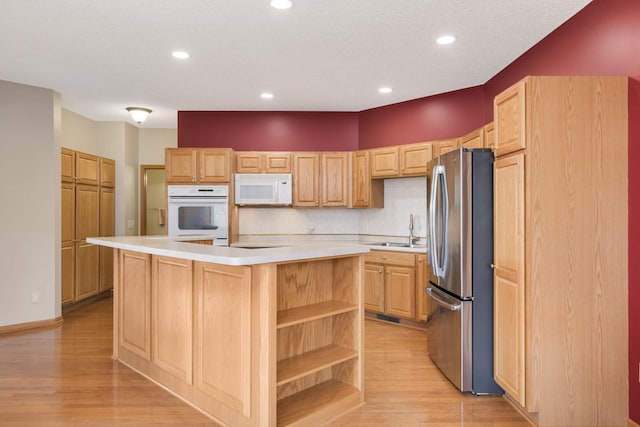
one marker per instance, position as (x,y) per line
(35,297)
(131,223)
(260,227)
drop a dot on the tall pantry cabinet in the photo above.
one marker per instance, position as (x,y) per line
(88,210)
(560,250)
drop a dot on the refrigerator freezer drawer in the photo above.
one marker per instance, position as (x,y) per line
(449,337)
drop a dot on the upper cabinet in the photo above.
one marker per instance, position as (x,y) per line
(87,168)
(474,139)
(489,136)
(414,158)
(320,179)
(263,162)
(203,165)
(444,146)
(509,113)
(68,165)
(384,162)
(107,172)
(365,192)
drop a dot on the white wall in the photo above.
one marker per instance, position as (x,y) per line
(402,197)
(30,134)
(79,133)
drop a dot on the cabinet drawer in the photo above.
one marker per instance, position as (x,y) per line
(389,257)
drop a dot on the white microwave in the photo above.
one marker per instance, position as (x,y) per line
(263,189)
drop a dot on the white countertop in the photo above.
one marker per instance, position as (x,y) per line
(247,252)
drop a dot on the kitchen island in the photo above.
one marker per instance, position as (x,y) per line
(250,337)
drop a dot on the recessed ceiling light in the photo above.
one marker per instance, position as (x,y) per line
(445,39)
(281,4)
(266,95)
(385,90)
(179,54)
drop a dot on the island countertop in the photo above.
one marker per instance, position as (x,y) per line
(181,247)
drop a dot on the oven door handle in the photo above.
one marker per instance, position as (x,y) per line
(441,302)
(199,200)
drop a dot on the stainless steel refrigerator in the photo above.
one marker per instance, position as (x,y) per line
(460,320)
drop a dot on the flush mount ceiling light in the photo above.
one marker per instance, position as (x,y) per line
(448,39)
(179,54)
(385,89)
(266,95)
(281,4)
(139,114)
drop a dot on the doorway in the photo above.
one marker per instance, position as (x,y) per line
(153,200)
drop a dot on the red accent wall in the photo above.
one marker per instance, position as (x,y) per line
(447,115)
(269,130)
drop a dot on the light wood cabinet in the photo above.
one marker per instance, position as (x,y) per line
(444,146)
(414,158)
(384,162)
(423,273)
(334,170)
(87,210)
(107,172)
(133,307)
(489,136)
(560,248)
(68,166)
(107,228)
(365,192)
(263,162)
(202,165)
(306,176)
(172,316)
(390,283)
(474,139)
(321,179)
(509,118)
(87,275)
(87,168)
(509,292)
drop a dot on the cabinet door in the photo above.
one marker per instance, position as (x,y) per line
(107,172)
(67,262)
(509,119)
(87,279)
(107,228)
(180,165)
(384,162)
(67,163)
(360,180)
(509,258)
(134,303)
(474,139)
(68,204)
(489,136)
(444,146)
(414,158)
(306,171)
(400,292)
(335,175)
(87,168)
(249,162)
(422,279)
(87,211)
(172,316)
(214,165)
(374,288)
(277,162)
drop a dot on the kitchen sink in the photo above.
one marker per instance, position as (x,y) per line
(396,245)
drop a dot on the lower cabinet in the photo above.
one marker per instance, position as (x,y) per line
(423,273)
(390,283)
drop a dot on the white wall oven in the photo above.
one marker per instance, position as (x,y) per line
(201,210)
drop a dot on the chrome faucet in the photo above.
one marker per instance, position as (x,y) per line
(412,240)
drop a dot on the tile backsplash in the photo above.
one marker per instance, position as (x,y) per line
(402,196)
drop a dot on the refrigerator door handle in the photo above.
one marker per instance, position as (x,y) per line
(443,303)
(438,179)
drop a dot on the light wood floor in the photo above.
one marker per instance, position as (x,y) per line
(65,376)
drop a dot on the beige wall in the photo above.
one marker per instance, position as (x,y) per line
(30,137)
(153,142)
(78,132)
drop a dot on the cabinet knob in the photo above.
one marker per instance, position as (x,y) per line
(493,266)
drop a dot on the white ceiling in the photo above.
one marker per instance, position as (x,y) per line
(321,55)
